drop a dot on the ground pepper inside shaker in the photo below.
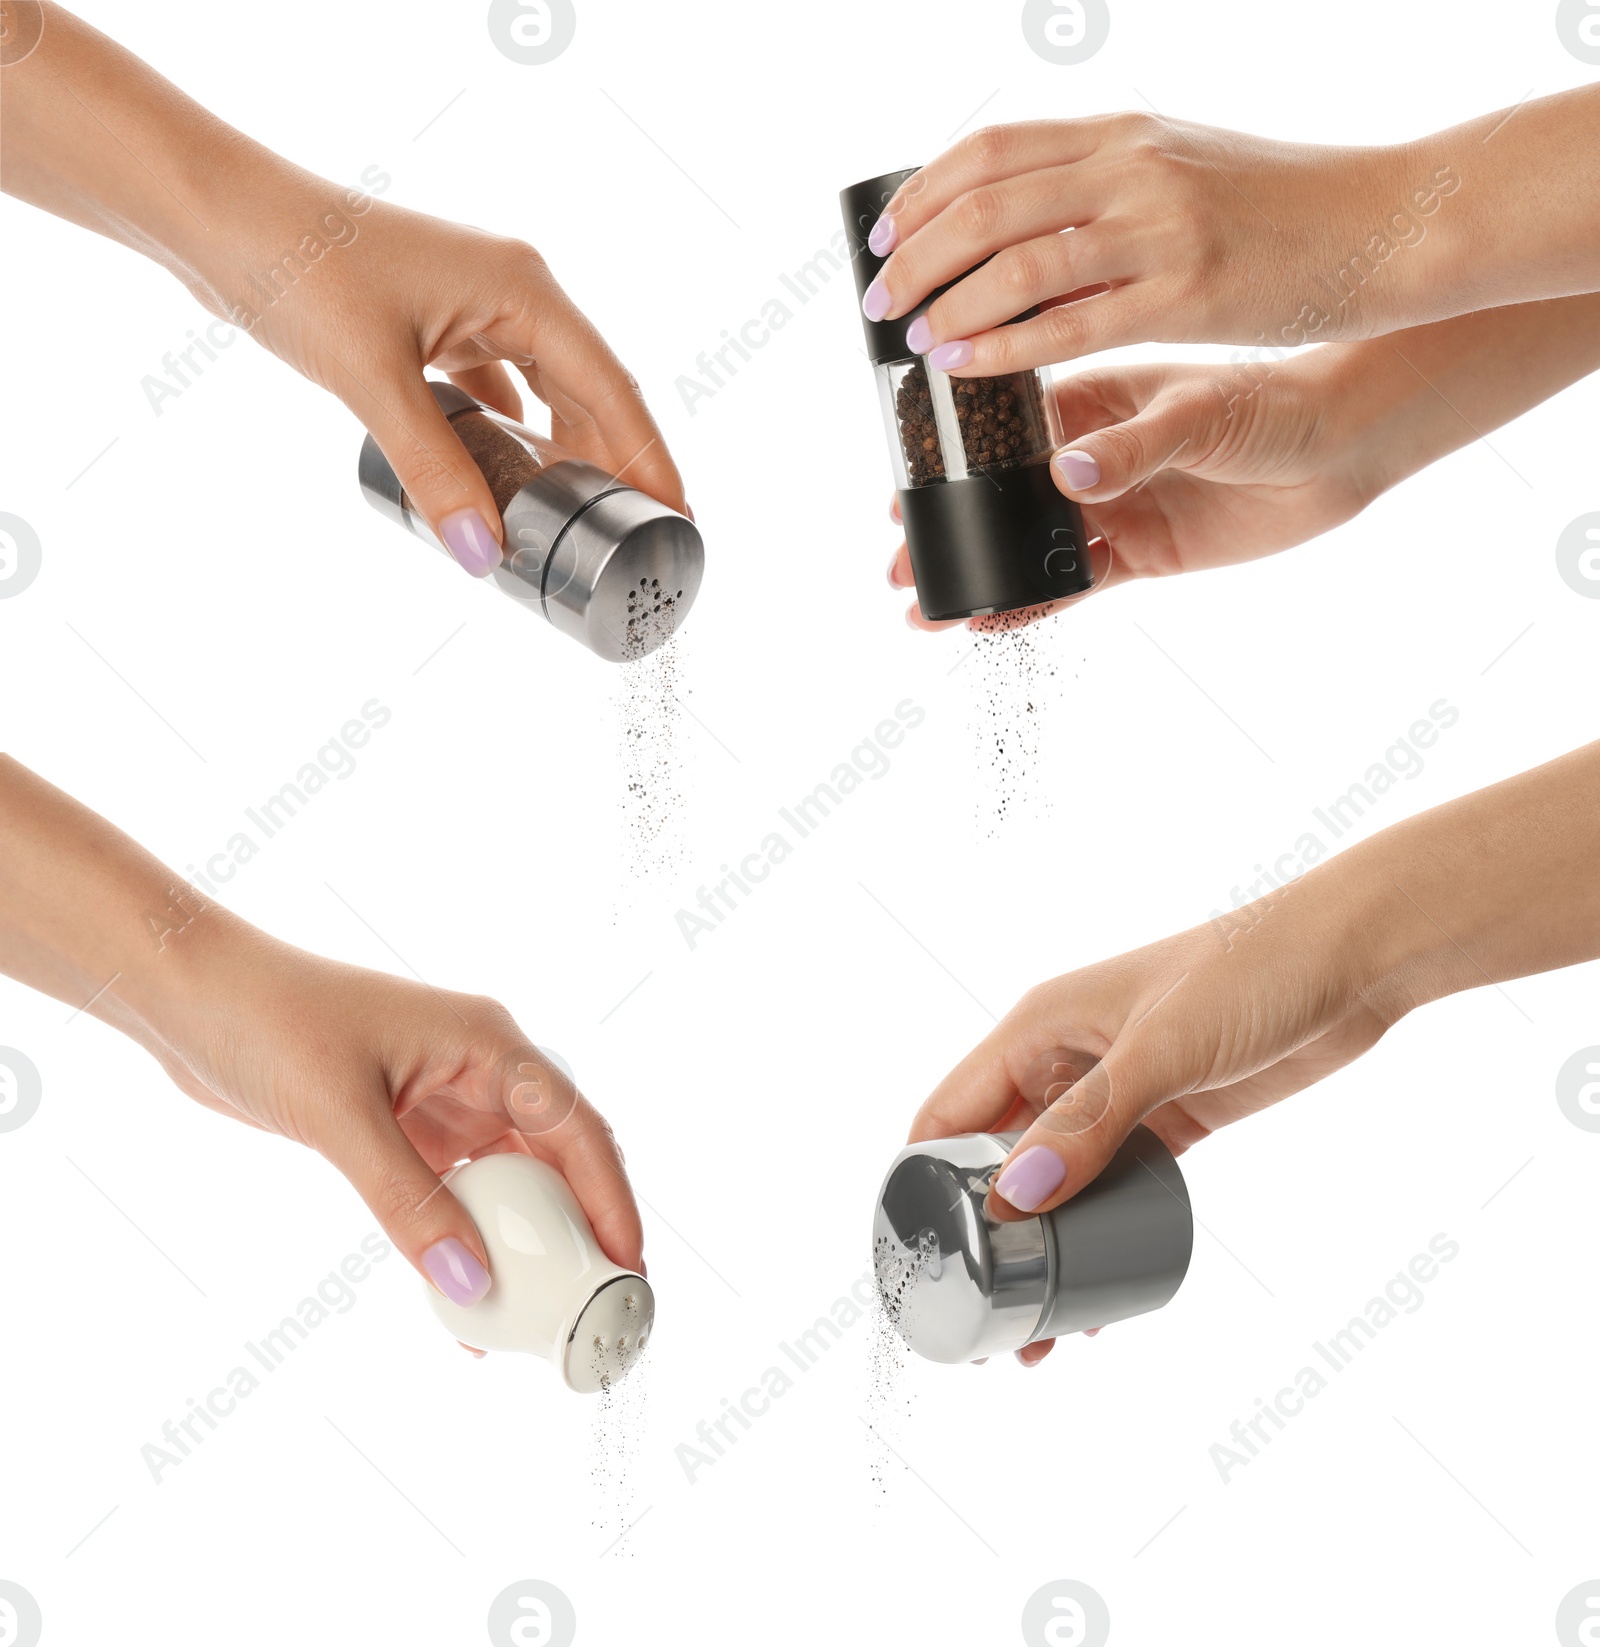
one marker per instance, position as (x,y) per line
(577,541)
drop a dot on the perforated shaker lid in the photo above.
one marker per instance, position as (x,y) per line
(609,1334)
(957,1284)
(623,574)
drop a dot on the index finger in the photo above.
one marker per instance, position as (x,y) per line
(984,156)
(976,1096)
(556,346)
(550,1118)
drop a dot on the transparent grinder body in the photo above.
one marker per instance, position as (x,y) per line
(602,562)
(959,1285)
(987,528)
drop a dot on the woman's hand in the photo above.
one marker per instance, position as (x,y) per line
(1218,1022)
(392,1081)
(1183,468)
(396,291)
(1184,234)
(357,295)
(1179,233)
(1185,1035)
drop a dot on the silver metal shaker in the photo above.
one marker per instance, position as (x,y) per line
(959,1285)
(602,562)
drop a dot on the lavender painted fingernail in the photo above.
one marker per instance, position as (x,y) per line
(875,304)
(455,1272)
(470,542)
(884,236)
(948,356)
(919,336)
(1033,1177)
(1078,470)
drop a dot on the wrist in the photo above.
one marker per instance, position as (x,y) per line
(1394,924)
(1427,233)
(185,957)
(266,223)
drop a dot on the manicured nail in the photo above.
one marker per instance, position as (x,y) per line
(883,237)
(948,356)
(455,1272)
(1027,1361)
(982,1361)
(875,305)
(1033,1177)
(470,542)
(1089,1332)
(1078,470)
(892,565)
(919,336)
(912,614)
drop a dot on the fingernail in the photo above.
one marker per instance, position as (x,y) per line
(1078,470)
(1024,1361)
(1089,1332)
(470,542)
(646,1274)
(948,356)
(883,237)
(919,336)
(455,1272)
(875,305)
(982,1361)
(689,512)
(1033,1177)
(913,612)
(893,563)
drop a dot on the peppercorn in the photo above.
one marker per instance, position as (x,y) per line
(1002,422)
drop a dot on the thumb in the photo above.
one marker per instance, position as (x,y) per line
(1071,1142)
(443,483)
(1173,432)
(408,1198)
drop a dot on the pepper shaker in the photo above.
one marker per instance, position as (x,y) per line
(959,1285)
(602,562)
(987,528)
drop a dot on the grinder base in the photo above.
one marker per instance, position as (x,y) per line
(994,542)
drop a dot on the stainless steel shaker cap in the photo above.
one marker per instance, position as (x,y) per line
(959,1285)
(606,564)
(618,574)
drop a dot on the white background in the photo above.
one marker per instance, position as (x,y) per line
(221,559)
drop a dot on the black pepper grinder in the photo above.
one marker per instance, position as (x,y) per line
(987,529)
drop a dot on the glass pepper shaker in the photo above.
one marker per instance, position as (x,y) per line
(602,562)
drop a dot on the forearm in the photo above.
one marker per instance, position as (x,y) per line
(90,917)
(1408,399)
(91,133)
(1525,223)
(1497,885)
